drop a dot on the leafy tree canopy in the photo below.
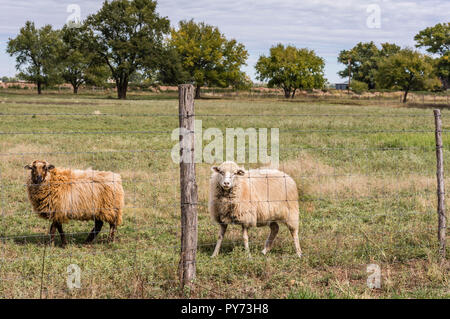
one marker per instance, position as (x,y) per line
(290,69)
(207,56)
(128,36)
(436,39)
(36,52)
(364,58)
(171,70)
(443,69)
(79,65)
(406,70)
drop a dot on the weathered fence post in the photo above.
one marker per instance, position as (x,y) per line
(188,185)
(440,184)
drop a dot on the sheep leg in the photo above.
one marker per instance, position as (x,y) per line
(269,242)
(245,236)
(294,233)
(222,230)
(112,230)
(61,234)
(97,228)
(52,233)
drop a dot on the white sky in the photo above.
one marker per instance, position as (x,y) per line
(327,26)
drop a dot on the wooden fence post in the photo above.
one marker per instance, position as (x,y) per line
(188,185)
(440,184)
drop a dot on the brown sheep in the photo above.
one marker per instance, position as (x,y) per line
(60,195)
(254,198)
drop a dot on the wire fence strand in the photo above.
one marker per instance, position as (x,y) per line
(150,228)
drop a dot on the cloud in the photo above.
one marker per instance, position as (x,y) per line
(327,26)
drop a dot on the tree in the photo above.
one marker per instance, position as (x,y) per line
(171,70)
(79,65)
(406,70)
(36,52)
(290,69)
(437,41)
(359,87)
(443,70)
(364,58)
(128,36)
(207,56)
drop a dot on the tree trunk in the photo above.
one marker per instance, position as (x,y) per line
(197,91)
(287,93)
(405,96)
(122,86)
(445,83)
(75,89)
(293,93)
(39,87)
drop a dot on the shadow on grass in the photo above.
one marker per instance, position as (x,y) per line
(208,247)
(78,239)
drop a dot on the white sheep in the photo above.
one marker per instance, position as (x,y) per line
(258,197)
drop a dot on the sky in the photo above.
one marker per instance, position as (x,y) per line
(326,26)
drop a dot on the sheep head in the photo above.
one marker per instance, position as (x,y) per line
(226,173)
(39,170)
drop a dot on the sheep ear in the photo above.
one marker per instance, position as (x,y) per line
(28,166)
(215,169)
(240,172)
(50,167)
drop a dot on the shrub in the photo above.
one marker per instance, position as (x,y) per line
(359,87)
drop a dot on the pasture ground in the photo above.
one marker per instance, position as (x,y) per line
(366,178)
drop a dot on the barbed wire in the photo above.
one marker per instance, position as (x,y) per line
(87,132)
(175,115)
(208,230)
(282,148)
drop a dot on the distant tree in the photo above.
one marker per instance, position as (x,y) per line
(290,68)
(79,65)
(36,52)
(170,68)
(364,58)
(388,49)
(437,41)
(137,78)
(359,87)
(242,82)
(443,69)
(406,70)
(207,56)
(10,79)
(128,36)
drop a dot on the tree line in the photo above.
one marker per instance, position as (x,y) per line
(126,40)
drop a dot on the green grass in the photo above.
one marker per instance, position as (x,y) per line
(366,184)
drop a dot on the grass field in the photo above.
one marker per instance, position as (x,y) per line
(366,178)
